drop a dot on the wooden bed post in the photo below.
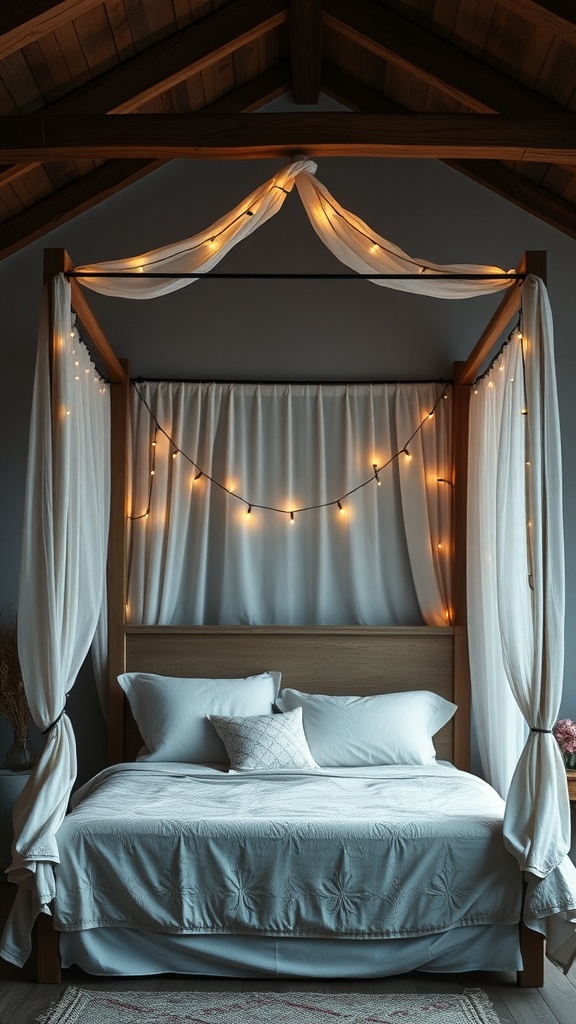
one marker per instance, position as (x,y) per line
(117,562)
(462,697)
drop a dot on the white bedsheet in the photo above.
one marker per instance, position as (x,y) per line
(357,853)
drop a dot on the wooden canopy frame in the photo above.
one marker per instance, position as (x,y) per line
(58,261)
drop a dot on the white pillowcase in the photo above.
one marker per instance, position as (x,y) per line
(265,742)
(390,728)
(170,712)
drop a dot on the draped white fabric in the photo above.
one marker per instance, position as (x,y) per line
(530,580)
(515,548)
(61,588)
(500,725)
(354,243)
(201,252)
(200,558)
(347,237)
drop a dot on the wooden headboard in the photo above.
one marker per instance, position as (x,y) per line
(317,659)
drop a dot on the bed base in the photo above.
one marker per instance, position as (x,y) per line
(49,971)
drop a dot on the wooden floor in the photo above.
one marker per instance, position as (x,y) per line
(22,1000)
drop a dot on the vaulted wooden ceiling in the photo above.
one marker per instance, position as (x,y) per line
(489,87)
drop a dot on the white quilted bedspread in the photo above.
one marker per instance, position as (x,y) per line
(360,853)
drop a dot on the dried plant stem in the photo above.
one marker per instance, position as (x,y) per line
(13,703)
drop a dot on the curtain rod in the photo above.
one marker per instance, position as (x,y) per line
(441,381)
(299,276)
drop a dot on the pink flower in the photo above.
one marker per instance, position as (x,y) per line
(565,734)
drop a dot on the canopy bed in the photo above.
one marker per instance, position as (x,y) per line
(338,679)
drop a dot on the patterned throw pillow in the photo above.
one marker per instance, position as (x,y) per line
(264,742)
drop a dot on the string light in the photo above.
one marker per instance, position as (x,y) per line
(230,489)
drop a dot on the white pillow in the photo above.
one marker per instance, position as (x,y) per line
(265,742)
(170,712)
(391,728)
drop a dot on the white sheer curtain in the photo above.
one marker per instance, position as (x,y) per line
(198,557)
(516,561)
(351,240)
(500,725)
(61,590)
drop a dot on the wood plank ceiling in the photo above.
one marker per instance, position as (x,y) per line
(487,85)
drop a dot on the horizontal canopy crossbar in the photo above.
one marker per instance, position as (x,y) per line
(294,276)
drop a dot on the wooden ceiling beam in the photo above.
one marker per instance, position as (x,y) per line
(559,16)
(258,136)
(26,21)
(305,27)
(105,181)
(523,192)
(445,67)
(160,67)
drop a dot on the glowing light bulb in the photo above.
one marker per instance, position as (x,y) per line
(291,520)
(341,508)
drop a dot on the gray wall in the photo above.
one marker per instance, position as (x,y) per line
(281,330)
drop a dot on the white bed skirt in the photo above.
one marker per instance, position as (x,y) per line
(122,951)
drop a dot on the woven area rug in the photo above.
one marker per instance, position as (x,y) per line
(81,1006)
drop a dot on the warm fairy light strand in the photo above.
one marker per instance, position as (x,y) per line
(146,513)
(336,502)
